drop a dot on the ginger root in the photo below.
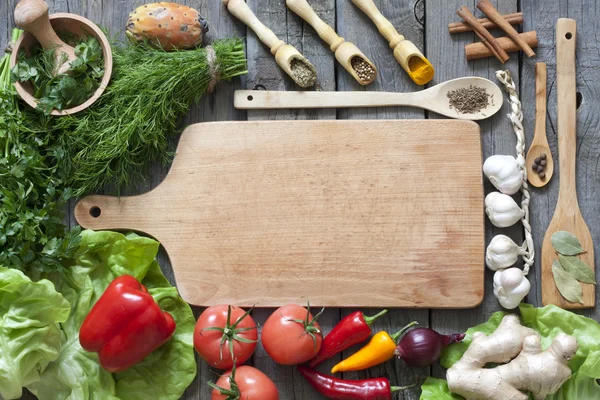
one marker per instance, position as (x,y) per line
(540,372)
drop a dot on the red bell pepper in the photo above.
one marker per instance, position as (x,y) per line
(354,329)
(338,389)
(125,325)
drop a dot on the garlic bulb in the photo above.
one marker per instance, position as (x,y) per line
(510,287)
(502,253)
(502,210)
(505,173)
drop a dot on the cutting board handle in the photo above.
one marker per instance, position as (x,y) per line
(105,212)
(566,35)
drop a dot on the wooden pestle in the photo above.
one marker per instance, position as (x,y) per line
(420,69)
(284,53)
(344,51)
(478,50)
(32,16)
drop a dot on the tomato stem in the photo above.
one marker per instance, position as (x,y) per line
(231,332)
(233,393)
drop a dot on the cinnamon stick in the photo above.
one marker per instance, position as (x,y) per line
(488,9)
(486,37)
(459,27)
(478,50)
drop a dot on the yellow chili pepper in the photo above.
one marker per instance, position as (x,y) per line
(379,350)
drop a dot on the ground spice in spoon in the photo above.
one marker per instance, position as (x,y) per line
(363,69)
(469,100)
(304,75)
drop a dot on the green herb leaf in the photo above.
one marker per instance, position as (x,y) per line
(568,286)
(566,243)
(578,269)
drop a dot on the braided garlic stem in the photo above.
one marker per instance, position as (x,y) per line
(516,118)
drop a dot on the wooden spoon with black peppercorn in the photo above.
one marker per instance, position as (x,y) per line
(540,166)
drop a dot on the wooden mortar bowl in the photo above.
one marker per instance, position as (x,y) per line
(79,26)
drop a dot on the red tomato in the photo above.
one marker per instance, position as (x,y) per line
(252,385)
(291,335)
(216,334)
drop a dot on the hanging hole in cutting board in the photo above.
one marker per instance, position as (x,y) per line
(578,99)
(250,98)
(568,35)
(95,212)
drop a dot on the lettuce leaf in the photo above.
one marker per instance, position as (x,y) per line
(30,336)
(548,322)
(434,388)
(164,374)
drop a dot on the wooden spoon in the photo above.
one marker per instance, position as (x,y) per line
(539,145)
(434,99)
(32,16)
(404,50)
(285,54)
(567,216)
(346,53)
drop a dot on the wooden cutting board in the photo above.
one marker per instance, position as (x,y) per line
(342,213)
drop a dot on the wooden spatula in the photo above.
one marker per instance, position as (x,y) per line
(567,216)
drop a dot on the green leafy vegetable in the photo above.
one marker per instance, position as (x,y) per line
(437,389)
(65,90)
(577,269)
(32,193)
(115,140)
(30,336)
(164,374)
(567,285)
(548,321)
(566,243)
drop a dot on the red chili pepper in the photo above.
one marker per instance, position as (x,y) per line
(353,329)
(125,325)
(338,389)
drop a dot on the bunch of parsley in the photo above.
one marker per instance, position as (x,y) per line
(32,194)
(65,90)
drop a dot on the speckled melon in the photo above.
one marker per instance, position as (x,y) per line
(168,25)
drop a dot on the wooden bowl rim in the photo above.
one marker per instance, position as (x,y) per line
(108,65)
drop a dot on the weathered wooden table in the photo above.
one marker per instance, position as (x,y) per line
(425,23)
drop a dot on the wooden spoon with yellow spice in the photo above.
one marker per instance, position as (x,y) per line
(406,53)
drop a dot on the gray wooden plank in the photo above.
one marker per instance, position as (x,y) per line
(447,53)
(357,28)
(263,70)
(542,16)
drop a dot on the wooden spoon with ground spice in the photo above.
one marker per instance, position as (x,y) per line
(471,98)
(286,55)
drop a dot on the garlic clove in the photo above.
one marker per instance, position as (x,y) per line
(505,173)
(501,253)
(502,210)
(510,287)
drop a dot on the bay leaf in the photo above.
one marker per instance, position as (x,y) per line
(566,243)
(568,286)
(577,269)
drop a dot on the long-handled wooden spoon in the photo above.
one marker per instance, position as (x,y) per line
(434,99)
(539,145)
(567,216)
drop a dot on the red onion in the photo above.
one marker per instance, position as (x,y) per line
(421,347)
